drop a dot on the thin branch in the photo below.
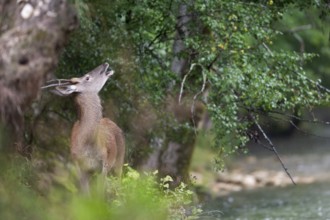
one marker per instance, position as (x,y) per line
(192,110)
(302,131)
(265,146)
(301,42)
(313,82)
(299,28)
(313,115)
(268,49)
(209,67)
(294,125)
(195,98)
(156,38)
(184,80)
(293,116)
(155,56)
(273,149)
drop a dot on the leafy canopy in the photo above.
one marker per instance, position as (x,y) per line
(230,49)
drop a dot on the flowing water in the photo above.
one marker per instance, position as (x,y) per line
(294,202)
(304,156)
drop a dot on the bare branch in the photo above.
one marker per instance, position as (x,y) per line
(317,84)
(294,125)
(195,98)
(157,58)
(293,116)
(300,28)
(301,42)
(185,78)
(192,110)
(265,146)
(272,146)
(268,49)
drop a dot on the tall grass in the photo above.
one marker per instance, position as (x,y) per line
(134,196)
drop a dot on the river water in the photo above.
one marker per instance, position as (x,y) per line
(289,203)
(304,156)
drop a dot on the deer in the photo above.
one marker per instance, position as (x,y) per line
(97,143)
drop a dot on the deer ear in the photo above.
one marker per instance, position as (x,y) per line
(64,90)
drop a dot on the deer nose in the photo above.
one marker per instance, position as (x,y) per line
(110,72)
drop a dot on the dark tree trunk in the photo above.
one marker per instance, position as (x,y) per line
(173,152)
(175,157)
(32,33)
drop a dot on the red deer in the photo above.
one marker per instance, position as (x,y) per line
(97,143)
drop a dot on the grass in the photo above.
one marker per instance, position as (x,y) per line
(135,196)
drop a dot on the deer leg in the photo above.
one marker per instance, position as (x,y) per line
(84,182)
(107,164)
(105,168)
(110,157)
(83,177)
(120,154)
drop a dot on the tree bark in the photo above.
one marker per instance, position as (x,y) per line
(33,32)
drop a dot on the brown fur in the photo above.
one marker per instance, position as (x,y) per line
(96,143)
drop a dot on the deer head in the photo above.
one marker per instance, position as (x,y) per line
(91,82)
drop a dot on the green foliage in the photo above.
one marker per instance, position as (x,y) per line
(146,198)
(17,200)
(232,42)
(246,74)
(304,31)
(135,196)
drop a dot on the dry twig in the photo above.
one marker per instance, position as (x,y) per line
(273,149)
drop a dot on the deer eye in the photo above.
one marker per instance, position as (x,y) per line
(87,78)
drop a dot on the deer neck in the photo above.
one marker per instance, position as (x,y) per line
(89,112)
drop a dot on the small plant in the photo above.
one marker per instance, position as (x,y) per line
(143,197)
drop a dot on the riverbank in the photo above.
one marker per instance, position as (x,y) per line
(255,185)
(307,159)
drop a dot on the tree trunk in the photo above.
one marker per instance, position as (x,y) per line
(33,32)
(172,153)
(175,157)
